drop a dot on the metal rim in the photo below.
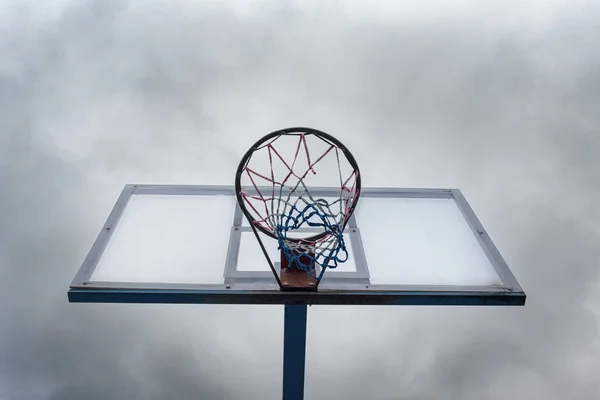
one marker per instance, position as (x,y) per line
(282,132)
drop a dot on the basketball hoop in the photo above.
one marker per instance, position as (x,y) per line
(275,196)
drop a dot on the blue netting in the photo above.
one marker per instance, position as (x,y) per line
(325,252)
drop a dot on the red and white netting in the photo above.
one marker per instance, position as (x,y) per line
(276,184)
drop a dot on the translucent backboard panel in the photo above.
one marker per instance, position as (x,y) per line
(169,239)
(421,242)
(251,257)
(191,244)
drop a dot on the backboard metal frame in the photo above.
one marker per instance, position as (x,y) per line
(257,287)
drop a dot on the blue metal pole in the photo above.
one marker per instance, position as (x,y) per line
(294,351)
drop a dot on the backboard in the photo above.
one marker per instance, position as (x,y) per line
(192,244)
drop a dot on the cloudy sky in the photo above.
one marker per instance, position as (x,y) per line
(497,98)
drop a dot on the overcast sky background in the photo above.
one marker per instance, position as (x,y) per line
(497,98)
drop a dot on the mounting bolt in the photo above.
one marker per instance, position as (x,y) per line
(311,284)
(366,287)
(285,283)
(227,286)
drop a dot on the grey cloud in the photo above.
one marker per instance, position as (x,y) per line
(110,93)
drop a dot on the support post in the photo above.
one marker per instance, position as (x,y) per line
(294,351)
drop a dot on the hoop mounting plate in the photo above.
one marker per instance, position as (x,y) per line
(293,278)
